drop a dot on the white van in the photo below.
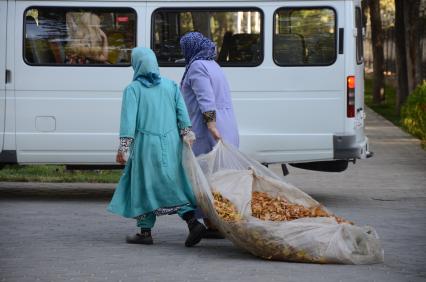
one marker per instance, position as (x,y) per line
(295,69)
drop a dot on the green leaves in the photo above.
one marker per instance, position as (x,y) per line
(413,113)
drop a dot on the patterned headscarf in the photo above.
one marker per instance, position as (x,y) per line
(145,67)
(196,46)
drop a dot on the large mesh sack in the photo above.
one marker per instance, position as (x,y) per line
(235,176)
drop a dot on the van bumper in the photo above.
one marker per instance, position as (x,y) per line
(346,147)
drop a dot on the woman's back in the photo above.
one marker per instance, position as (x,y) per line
(218,81)
(157,106)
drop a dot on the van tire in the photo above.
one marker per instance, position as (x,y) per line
(326,166)
(8,157)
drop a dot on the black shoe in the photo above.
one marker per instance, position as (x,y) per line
(196,229)
(196,232)
(212,234)
(140,238)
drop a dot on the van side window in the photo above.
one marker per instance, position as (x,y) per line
(359,36)
(304,36)
(79,36)
(237,33)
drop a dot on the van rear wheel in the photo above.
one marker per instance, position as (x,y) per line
(326,166)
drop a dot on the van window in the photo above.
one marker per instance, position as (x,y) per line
(79,36)
(359,36)
(236,32)
(304,36)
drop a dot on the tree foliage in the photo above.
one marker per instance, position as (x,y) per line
(413,113)
(387,12)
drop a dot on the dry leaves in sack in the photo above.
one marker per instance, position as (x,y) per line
(271,218)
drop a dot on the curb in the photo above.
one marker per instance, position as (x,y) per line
(56,190)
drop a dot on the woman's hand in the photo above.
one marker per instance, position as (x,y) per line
(188,136)
(120,158)
(123,150)
(189,142)
(213,130)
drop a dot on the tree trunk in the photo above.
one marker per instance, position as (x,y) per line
(201,23)
(401,57)
(367,43)
(420,73)
(378,56)
(365,6)
(412,9)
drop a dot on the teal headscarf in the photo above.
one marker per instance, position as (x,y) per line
(145,67)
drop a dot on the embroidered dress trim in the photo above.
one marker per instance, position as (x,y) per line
(125,143)
(162,211)
(124,148)
(187,134)
(185,131)
(209,116)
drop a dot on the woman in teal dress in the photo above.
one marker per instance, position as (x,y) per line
(154,121)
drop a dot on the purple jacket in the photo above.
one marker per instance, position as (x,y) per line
(204,89)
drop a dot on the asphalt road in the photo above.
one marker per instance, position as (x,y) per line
(63,232)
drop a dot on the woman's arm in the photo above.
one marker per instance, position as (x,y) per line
(183,120)
(182,115)
(124,150)
(200,82)
(188,135)
(129,110)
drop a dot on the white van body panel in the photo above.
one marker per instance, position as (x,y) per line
(10,116)
(3,25)
(80,104)
(70,114)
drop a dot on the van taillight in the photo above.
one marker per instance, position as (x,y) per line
(350,101)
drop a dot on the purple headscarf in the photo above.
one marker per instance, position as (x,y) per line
(196,46)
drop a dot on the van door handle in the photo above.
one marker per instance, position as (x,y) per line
(8,76)
(341,39)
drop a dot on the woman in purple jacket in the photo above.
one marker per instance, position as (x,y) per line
(207,95)
(205,90)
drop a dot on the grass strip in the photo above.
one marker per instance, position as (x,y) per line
(387,108)
(56,173)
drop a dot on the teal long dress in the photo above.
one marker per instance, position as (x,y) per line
(153,112)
